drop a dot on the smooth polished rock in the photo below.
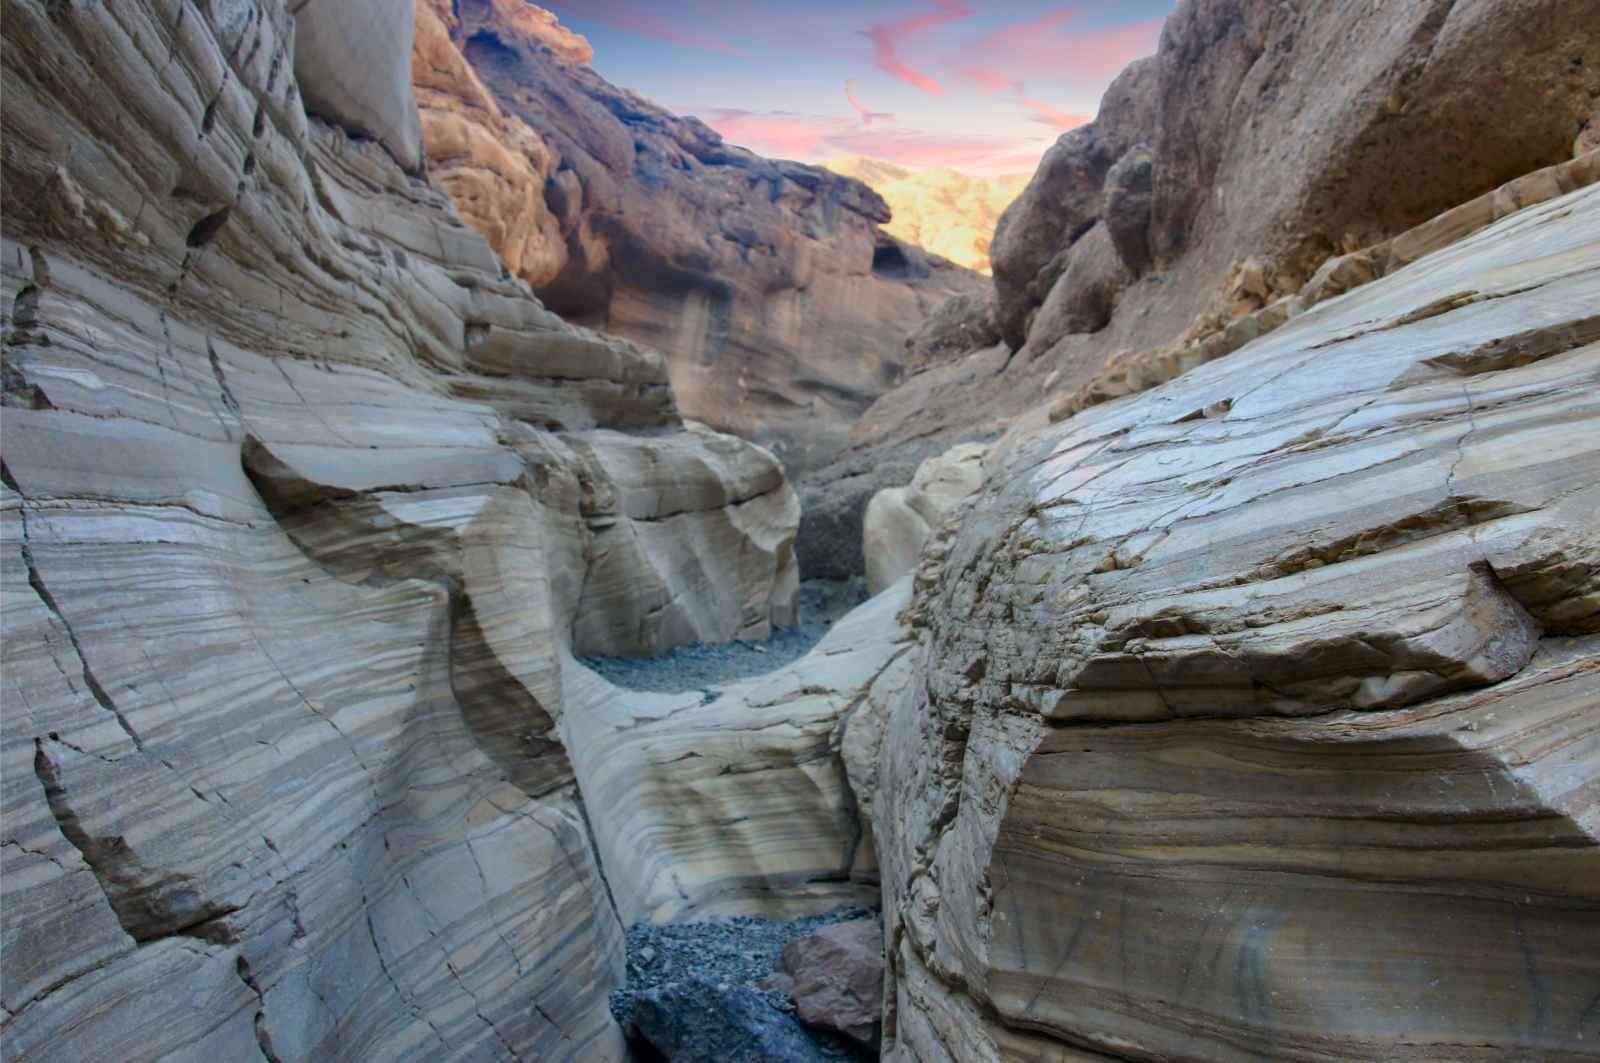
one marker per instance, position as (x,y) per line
(900,519)
(296,525)
(1258,713)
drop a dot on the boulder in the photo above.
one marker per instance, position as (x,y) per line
(837,976)
(1129,193)
(900,519)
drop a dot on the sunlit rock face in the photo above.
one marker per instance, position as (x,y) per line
(303,496)
(949,213)
(1260,712)
(780,304)
(1259,143)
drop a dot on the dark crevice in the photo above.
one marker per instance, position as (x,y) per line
(206,229)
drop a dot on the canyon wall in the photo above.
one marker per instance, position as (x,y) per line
(780,303)
(1257,717)
(1260,142)
(306,505)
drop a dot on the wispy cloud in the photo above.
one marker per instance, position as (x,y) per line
(866,115)
(1044,114)
(887,36)
(1048,47)
(818,138)
(631,16)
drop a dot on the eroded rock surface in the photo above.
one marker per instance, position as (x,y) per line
(1261,710)
(900,519)
(302,497)
(779,303)
(1258,144)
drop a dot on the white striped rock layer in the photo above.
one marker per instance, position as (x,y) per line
(1259,714)
(305,503)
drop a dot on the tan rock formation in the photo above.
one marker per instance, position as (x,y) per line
(900,519)
(782,315)
(1261,708)
(301,498)
(1264,143)
(949,213)
(493,166)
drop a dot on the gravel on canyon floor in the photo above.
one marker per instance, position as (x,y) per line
(741,953)
(706,664)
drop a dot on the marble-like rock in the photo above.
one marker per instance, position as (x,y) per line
(900,519)
(782,314)
(736,800)
(837,979)
(1257,713)
(296,511)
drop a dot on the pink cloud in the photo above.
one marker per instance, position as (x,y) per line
(866,115)
(1047,115)
(886,38)
(818,138)
(632,16)
(985,78)
(1047,47)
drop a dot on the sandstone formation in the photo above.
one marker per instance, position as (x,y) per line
(900,519)
(1259,713)
(949,213)
(779,302)
(302,499)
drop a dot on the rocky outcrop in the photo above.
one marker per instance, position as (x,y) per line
(1302,641)
(303,501)
(900,519)
(949,213)
(1280,138)
(779,303)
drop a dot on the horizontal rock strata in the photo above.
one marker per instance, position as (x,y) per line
(302,496)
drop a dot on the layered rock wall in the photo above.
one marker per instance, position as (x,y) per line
(303,495)
(779,303)
(1260,713)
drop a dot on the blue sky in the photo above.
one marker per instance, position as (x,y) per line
(976,86)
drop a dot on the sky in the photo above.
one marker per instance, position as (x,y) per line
(980,86)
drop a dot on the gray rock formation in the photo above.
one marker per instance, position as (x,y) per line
(302,498)
(1288,134)
(1257,714)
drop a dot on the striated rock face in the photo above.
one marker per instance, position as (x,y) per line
(779,303)
(951,214)
(1261,710)
(303,499)
(900,519)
